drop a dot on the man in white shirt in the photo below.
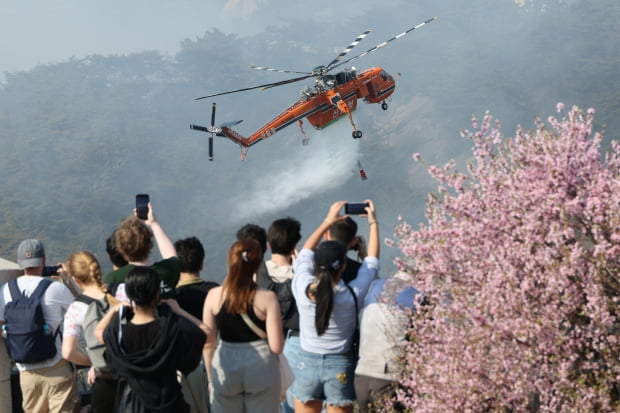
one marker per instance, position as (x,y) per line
(49,385)
(384,319)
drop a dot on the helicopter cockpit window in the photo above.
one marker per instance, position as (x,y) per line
(384,75)
(345,76)
(336,99)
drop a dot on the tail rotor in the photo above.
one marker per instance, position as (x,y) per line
(212,131)
(223,130)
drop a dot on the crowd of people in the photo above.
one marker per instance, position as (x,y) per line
(159,337)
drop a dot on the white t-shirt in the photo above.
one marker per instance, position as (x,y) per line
(55,303)
(73,324)
(383,323)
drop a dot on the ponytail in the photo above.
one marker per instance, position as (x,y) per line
(324,296)
(244,258)
(329,260)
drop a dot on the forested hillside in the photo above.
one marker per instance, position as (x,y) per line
(80,138)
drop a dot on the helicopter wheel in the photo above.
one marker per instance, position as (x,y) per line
(384,106)
(356,134)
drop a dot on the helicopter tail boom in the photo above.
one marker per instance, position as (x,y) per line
(235,137)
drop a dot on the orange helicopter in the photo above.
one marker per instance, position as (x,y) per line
(331,98)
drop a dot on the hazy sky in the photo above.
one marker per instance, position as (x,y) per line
(35,31)
(42,31)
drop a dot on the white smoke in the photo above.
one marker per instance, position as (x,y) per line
(327,162)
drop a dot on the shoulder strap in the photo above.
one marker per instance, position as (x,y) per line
(14,289)
(84,299)
(36,294)
(253,326)
(357,322)
(263,279)
(41,287)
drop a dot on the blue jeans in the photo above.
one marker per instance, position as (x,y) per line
(292,347)
(326,377)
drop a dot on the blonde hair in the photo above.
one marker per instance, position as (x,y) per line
(83,266)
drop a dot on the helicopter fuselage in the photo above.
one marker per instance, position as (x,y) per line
(332,97)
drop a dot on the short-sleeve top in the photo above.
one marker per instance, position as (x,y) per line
(73,324)
(191,295)
(169,271)
(339,334)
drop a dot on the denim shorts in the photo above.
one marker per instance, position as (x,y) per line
(292,347)
(327,377)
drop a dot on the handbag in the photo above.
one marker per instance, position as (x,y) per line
(286,373)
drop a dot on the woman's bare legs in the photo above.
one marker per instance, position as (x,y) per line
(339,409)
(311,406)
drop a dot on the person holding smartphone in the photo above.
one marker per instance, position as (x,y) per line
(134,240)
(345,231)
(328,316)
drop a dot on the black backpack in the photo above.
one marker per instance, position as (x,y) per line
(284,292)
(29,339)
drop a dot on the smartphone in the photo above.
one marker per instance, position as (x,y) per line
(142,205)
(355,208)
(50,270)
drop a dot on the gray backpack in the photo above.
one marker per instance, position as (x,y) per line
(95,312)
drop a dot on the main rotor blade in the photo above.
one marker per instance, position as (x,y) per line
(231,123)
(265,86)
(286,82)
(348,48)
(277,70)
(383,44)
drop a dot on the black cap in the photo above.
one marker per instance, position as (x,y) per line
(330,255)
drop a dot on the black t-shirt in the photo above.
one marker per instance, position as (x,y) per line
(191,296)
(139,337)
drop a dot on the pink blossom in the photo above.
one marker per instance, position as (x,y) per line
(518,261)
(560,107)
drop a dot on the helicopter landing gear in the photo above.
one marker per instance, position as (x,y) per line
(384,106)
(356,133)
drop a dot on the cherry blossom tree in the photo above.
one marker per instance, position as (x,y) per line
(519,265)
